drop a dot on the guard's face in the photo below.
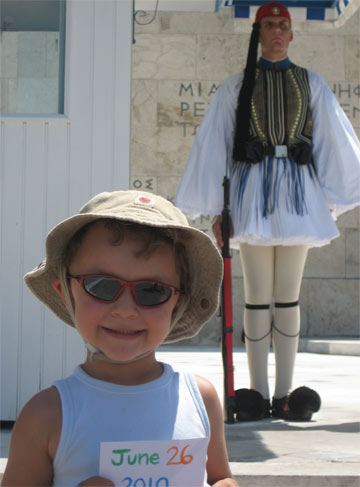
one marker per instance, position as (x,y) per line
(275,37)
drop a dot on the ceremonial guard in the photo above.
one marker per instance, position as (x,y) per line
(293,160)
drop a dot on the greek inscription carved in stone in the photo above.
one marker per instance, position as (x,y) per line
(348,95)
(144,183)
(195,98)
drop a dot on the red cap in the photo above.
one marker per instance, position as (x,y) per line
(272,9)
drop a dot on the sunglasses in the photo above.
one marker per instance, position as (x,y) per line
(107,289)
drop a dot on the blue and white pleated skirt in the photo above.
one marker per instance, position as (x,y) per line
(278,202)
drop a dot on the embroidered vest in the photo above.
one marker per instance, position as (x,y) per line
(280,115)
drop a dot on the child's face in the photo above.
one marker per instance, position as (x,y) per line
(123,330)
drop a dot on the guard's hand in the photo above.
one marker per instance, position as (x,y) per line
(216,228)
(96,482)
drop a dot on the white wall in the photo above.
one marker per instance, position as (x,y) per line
(50,166)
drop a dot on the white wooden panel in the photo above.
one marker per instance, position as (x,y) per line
(49,168)
(58,173)
(103,101)
(34,177)
(79,102)
(11,265)
(57,209)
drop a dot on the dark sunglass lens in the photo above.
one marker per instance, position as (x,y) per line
(152,294)
(103,288)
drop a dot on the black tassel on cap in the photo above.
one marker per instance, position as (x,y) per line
(243,110)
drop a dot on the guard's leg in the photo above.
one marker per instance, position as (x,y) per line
(302,402)
(289,268)
(258,270)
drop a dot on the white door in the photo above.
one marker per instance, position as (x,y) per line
(50,166)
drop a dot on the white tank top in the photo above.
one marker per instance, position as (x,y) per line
(94,411)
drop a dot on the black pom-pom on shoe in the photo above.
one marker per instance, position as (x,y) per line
(304,401)
(298,406)
(251,406)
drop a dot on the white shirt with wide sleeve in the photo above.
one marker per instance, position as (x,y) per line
(332,190)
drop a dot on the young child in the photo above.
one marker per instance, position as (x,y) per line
(130,274)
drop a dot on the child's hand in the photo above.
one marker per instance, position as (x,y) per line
(226,483)
(96,482)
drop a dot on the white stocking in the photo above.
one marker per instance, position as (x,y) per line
(272,274)
(258,269)
(257,327)
(289,267)
(285,343)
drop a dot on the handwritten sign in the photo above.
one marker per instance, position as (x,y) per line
(173,463)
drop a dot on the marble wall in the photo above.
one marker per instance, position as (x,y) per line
(179,60)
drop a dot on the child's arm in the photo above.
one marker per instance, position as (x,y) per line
(34,441)
(217,467)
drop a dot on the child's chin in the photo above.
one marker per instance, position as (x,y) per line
(124,357)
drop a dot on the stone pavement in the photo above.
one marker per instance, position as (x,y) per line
(275,453)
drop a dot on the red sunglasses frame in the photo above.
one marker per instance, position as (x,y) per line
(131,284)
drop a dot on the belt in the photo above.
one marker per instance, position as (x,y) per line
(281,151)
(255,151)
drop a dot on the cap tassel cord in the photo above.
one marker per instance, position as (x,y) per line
(243,110)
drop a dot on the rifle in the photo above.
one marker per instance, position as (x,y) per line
(226,312)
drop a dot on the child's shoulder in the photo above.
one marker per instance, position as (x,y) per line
(45,404)
(204,385)
(212,404)
(34,441)
(42,416)
(207,391)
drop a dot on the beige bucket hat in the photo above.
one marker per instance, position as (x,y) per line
(205,261)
